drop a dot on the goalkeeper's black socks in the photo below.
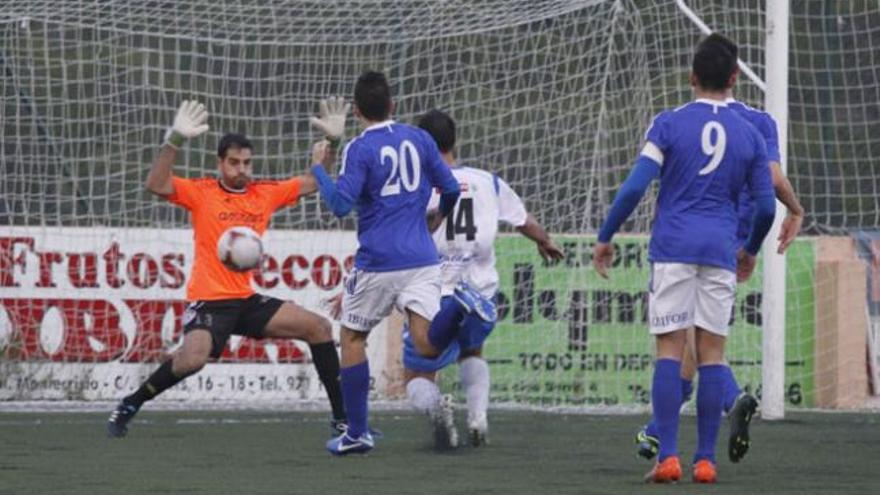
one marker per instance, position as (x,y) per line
(326,362)
(161,380)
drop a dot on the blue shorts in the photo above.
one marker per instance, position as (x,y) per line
(472,333)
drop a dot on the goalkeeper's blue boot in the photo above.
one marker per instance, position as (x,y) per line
(344,444)
(649,445)
(117,425)
(473,302)
(740,416)
(340,426)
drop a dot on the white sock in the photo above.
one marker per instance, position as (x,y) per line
(423,395)
(474,374)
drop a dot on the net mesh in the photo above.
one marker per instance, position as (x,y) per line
(554,96)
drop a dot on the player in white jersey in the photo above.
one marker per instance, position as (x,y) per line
(465,241)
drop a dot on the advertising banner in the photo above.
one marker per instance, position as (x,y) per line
(89,313)
(567,337)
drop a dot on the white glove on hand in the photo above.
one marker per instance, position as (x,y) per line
(332,119)
(190,121)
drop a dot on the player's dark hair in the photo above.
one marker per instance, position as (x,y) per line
(372,96)
(714,63)
(441,127)
(723,41)
(233,140)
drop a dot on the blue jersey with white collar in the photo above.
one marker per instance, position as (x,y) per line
(707,155)
(766,125)
(388,172)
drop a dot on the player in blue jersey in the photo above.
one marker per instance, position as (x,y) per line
(465,240)
(740,406)
(704,154)
(387,173)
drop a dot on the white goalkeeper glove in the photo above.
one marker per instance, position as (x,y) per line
(332,119)
(190,121)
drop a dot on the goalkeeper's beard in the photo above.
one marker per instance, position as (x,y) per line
(238,182)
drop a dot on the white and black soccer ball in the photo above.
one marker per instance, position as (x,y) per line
(240,249)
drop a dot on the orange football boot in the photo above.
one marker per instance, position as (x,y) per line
(704,472)
(668,471)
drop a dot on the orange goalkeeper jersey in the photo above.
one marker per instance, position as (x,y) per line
(213,209)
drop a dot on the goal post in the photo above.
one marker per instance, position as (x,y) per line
(776,103)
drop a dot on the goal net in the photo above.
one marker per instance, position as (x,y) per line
(552,95)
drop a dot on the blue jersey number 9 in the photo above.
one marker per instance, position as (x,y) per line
(401,160)
(714,149)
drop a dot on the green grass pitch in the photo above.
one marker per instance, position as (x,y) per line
(216,453)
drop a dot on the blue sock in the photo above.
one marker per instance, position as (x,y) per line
(710,396)
(444,327)
(731,389)
(687,389)
(666,398)
(651,428)
(355,391)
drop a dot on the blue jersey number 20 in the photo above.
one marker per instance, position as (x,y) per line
(401,160)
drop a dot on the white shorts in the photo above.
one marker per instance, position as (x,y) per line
(370,296)
(684,295)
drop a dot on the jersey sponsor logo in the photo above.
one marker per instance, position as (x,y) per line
(669,319)
(361,320)
(240,216)
(457,258)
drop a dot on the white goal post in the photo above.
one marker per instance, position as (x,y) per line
(776,103)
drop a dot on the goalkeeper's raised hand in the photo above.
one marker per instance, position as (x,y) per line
(332,119)
(190,121)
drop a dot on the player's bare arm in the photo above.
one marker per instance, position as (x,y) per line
(435,219)
(190,121)
(325,154)
(791,226)
(603,255)
(745,265)
(535,231)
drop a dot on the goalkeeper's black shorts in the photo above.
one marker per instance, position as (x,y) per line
(225,317)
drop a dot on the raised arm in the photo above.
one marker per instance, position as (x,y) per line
(159,179)
(190,121)
(331,121)
(341,196)
(323,153)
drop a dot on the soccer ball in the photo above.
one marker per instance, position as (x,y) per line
(240,249)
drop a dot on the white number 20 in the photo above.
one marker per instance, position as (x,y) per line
(401,160)
(716,149)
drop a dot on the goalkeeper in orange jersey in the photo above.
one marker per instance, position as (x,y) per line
(222,301)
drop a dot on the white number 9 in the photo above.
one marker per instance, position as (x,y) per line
(716,149)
